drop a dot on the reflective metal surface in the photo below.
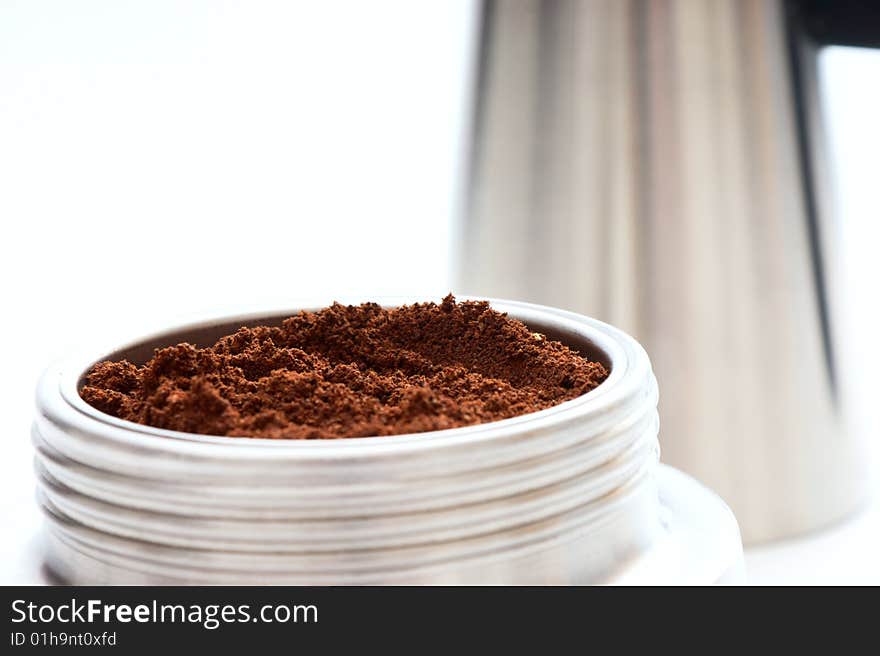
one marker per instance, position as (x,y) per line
(640,162)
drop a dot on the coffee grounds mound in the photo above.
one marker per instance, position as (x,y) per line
(349,371)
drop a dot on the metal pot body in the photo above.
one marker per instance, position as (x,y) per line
(640,162)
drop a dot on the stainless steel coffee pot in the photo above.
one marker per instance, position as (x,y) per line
(646,163)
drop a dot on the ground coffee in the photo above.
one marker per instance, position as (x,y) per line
(349,371)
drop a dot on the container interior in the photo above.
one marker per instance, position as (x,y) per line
(140,352)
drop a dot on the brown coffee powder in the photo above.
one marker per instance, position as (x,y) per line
(349,371)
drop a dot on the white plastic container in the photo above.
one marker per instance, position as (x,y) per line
(569,495)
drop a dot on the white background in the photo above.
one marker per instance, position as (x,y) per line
(162,158)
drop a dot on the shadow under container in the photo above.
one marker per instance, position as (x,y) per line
(572,494)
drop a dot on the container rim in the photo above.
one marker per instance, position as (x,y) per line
(621,351)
